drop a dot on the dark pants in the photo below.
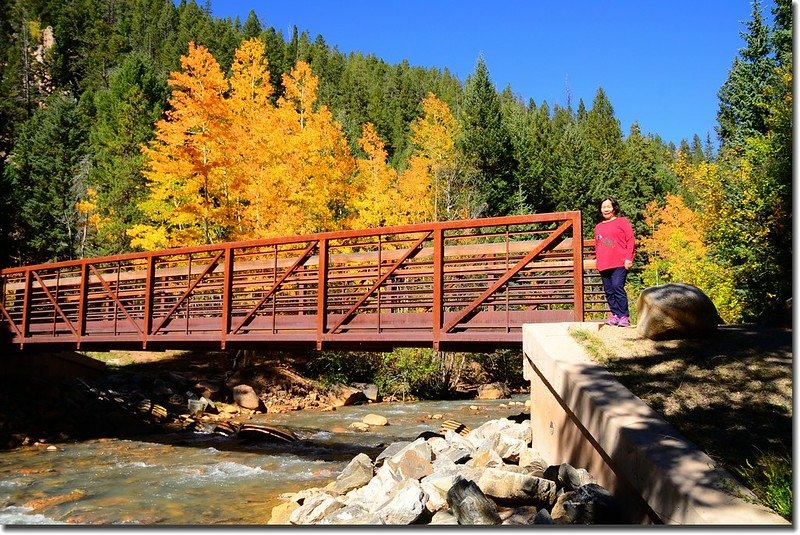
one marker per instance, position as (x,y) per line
(614,287)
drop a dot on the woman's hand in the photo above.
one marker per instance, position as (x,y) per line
(628,264)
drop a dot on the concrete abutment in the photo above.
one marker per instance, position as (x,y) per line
(581,415)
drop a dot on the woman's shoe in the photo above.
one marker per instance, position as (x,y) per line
(613,320)
(624,321)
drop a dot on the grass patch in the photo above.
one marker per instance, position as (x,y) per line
(771,476)
(592,344)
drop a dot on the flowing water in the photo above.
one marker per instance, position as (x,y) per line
(206,479)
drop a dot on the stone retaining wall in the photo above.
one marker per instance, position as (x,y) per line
(582,416)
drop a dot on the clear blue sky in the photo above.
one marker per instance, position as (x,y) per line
(661,63)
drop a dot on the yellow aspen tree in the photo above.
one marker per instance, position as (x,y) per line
(415,194)
(677,252)
(188,159)
(255,190)
(89,218)
(315,159)
(433,137)
(378,201)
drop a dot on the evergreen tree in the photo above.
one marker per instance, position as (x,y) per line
(604,165)
(46,175)
(742,106)
(646,176)
(276,58)
(541,159)
(252,26)
(517,119)
(486,143)
(126,112)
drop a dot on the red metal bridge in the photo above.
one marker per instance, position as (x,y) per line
(455,285)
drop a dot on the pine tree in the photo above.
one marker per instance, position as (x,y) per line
(486,142)
(601,166)
(46,174)
(125,114)
(252,26)
(742,106)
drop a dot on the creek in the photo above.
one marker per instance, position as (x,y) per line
(207,479)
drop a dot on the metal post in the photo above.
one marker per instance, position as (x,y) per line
(26,304)
(322,292)
(577,262)
(227,290)
(438,285)
(82,302)
(147,316)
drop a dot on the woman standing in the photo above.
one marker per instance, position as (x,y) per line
(614,246)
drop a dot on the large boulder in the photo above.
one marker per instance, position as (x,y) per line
(492,391)
(244,396)
(676,310)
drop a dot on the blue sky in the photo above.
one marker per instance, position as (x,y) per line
(661,63)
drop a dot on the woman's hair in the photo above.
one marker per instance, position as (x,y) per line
(614,204)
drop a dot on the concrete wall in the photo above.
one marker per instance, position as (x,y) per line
(582,416)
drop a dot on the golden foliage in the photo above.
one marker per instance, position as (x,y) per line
(228,164)
(377,204)
(188,159)
(432,173)
(677,252)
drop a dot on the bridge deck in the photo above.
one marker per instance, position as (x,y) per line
(464,285)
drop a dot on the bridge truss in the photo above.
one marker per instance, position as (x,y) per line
(454,285)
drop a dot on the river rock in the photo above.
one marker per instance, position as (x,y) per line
(515,487)
(565,476)
(418,482)
(543,518)
(352,515)
(406,504)
(519,516)
(314,509)
(347,395)
(451,457)
(412,462)
(485,458)
(492,391)
(377,491)
(390,451)
(356,474)
(246,397)
(369,390)
(282,512)
(557,513)
(470,505)
(533,461)
(591,504)
(443,517)
(208,390)
(675,310)
(375,419)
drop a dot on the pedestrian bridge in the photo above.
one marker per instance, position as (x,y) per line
(455,285)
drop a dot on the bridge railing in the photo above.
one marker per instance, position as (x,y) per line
(453,285)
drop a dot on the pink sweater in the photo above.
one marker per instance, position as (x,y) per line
(614,243)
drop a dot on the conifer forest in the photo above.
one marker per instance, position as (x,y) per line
(130,125)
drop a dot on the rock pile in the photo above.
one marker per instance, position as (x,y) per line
(489,476)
